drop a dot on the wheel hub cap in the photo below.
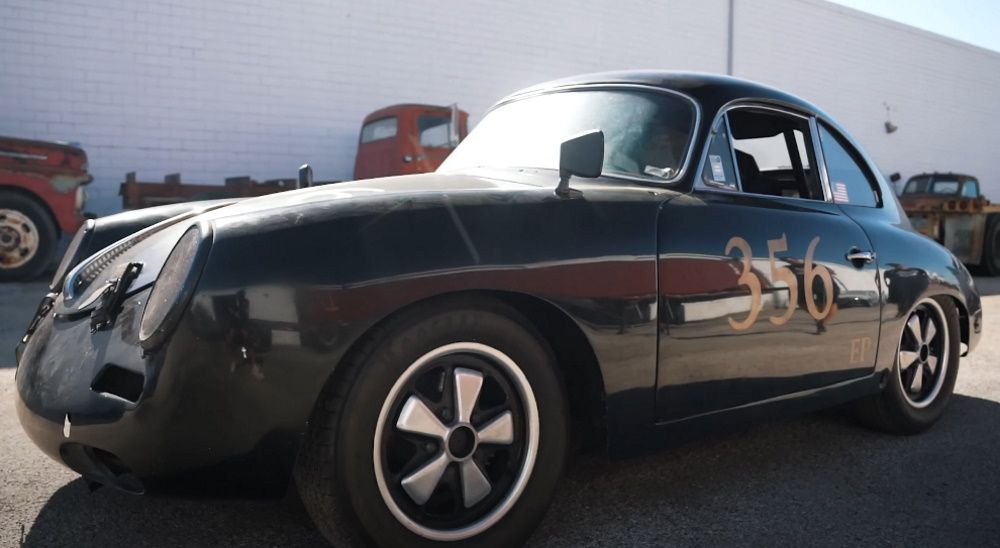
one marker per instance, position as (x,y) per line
(462,442)
(9,238)
(923,354)
(18,238)
(456,441)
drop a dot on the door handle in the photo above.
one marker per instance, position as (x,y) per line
(856,255)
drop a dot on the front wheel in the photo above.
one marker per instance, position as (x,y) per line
(452,427)
(28,237)
(924,374)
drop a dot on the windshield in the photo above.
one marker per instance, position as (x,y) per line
(645,133)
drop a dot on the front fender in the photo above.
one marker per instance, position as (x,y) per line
(290,292)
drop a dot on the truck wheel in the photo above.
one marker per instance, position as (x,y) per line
(450,428)
(27,237)
(923,377)
(991,246)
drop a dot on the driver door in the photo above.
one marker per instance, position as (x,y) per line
(758,299)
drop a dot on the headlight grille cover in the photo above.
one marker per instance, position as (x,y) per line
(174,286)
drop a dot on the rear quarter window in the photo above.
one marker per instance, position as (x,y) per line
(850,181)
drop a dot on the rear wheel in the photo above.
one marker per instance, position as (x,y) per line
(452,427)
(991,246)
(924,374)
(27,237)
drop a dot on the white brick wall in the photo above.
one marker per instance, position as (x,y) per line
(943,93)
(220,88)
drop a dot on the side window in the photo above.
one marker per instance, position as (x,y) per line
(971,189)
(379,129)
(945,185)
(434,131)
(719,171)
(774,154)
(917,185)
(850,183)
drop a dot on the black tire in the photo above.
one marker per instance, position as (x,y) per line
(893,410)
(991,246)
(336,471)
(44,247)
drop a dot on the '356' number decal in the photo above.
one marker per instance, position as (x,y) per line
(810,272)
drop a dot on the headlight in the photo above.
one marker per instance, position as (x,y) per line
(174,286)
(70,259)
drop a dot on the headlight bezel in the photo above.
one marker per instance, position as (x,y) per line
(174,286)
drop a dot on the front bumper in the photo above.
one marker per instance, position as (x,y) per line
(95,403)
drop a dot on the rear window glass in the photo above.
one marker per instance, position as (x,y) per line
(379,129)
(944,187)
(940,184)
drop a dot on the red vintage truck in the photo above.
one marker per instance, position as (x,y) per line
(41,198)
(409,138)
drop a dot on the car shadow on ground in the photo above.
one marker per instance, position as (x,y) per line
(819,479)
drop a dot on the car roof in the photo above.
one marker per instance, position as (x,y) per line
(711,91)
(393,110)
(960,176)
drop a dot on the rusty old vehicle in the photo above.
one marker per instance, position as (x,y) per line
(395,140)
(138,194)
(408,138)
(950,209)
(41,198)
(620,261)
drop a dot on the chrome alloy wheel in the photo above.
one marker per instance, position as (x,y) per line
(18,238)
(923,354)
(456,441)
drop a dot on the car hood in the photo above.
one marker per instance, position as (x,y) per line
(151,246)
(377,189)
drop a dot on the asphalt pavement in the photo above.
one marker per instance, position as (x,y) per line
(817,480)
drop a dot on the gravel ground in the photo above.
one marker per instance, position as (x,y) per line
(814,480)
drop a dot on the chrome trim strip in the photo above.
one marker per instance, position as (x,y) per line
(732,153)
(692,136)
(824,177)
(23,155)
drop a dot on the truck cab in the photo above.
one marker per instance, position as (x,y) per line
(408,138)
(940,186)
(950,209)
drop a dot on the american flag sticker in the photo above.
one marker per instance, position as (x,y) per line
(840,193)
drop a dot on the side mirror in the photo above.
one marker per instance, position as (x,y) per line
(581,155)
(895,177)
(305,176)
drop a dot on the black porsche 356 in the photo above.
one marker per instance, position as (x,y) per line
(621,259)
